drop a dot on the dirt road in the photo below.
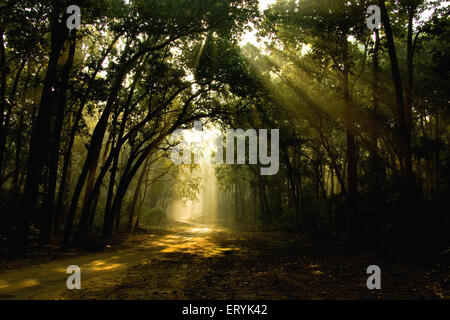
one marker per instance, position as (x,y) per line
(200,262)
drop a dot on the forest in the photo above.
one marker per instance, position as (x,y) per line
(87,122)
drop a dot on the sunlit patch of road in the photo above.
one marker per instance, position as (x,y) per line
(108,268)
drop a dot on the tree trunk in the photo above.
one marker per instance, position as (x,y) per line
(404,144)
(47,211)
(68,152)
(352,160)
(121,191)
(136,193)
(91,162)
(3,103)
(39,145)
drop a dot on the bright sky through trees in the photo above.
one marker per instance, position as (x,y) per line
(250,37)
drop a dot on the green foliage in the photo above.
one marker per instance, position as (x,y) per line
(152,217)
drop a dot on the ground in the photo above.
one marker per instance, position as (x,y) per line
(193,261)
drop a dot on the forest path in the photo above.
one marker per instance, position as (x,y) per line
(204,262)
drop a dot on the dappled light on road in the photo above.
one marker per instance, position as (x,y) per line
(190,240)
(107,267)
(200,230)
(6,286)
(103,269)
